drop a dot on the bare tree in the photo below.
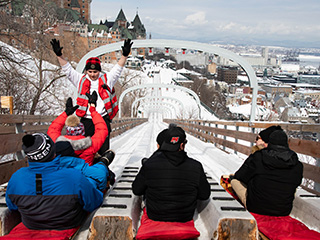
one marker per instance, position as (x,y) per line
(128,79)
(38,84)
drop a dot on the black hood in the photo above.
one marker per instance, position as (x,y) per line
(176,158)
(276,156)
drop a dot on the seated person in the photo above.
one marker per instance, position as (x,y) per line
(269,178)
(98,174)
(84,147)
(47,196)
(171,181)
(263,138)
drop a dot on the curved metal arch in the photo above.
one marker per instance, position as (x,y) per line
(154,97)
(160,104)
(162,108)
(165,43)
(159,85)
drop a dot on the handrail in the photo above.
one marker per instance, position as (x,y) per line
(217,132)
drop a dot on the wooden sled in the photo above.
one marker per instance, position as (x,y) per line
(274,227)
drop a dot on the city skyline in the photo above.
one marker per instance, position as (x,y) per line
(287,23)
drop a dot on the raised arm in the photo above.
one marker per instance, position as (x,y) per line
(116,71)
(73,76)
(58,51)
(126,49)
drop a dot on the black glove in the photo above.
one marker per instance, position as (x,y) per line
(143,160)
(56,47)
(105,86)
(111,178)
(92,97)
(70,109)
(126,48)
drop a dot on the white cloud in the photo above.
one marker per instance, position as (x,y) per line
(198,18)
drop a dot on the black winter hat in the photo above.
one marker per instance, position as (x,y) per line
(279,137)
(265,134)
(64,148)
(174,136)
(93,63)
(39,147)
(161,136)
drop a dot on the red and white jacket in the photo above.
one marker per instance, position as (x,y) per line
(84,147)
(108,97)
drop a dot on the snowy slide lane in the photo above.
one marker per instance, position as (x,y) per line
(137,143)
(215,161)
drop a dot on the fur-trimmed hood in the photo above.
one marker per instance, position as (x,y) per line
(76,143)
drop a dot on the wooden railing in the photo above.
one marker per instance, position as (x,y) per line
(240,136)
(14,127)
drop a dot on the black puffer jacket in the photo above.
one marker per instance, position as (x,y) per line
(172,183)
(272,176)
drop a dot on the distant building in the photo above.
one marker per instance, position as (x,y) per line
(227,74)
(291,114)
(312,79)
(276,89)
(83,7)
(312,94)
(284,79)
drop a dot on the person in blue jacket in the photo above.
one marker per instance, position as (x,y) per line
(50,197)
(98,174)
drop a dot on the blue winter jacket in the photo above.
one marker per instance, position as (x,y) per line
(50,197)
(96,174)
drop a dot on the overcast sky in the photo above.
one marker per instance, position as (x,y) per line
(272,22)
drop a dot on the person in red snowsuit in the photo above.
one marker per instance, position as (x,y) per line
(84,147)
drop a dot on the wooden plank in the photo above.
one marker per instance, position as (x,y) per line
(36,128)
(7,130)
(262,125)
(307,147)
(111,228)
(246,136)
(233,229)
(11,143)
(7,118)
(8,168)
(232,145)
(311,172)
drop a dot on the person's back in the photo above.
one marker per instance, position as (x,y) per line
(171,182)
(85,147)
(47,196)
(272,176)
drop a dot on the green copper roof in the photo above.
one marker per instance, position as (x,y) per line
(98,27)
(75,3)
(121,16)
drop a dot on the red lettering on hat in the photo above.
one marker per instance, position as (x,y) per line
(174,140)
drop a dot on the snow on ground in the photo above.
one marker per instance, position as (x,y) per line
(245,109)
(62,87)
